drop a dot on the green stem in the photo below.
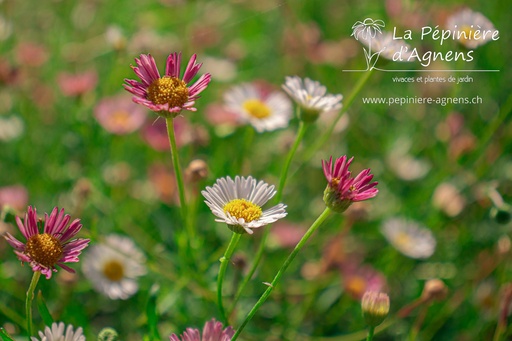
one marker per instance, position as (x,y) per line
(176,165)
(346,104)
(28,301)
(282,270)
(224,261)
(282,181)
(371,330)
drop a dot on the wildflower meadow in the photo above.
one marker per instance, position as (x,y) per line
(255,170)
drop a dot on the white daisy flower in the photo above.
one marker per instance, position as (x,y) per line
(465,24)
(238,203)
(59,332)
(113,267)
(409,237)
(265,112)
(311,96)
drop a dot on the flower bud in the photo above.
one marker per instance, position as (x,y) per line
(434,289)
(502,214)
(375,306)
(108,334)
(197,170)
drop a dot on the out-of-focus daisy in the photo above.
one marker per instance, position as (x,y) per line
(119,116)
(155,133)
(447,198)
(113,267)
(367,28)
(360,279)
(311,96)
(77,84)
(44,251)
(212,331)
(342,189)
(409,237)
(15,196)
(59,332)
(238,203)
(265,112)
(10,128)
(465,23)
(167,95)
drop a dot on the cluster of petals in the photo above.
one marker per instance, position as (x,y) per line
(347,187)
(212,331)
(148,73)
(56,226)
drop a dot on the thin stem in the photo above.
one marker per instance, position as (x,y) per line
(282,181)
(371,330)
(224,261)
(176,165)
(181,186)
(284,172)
(346,104)
(28,301)
(282,270)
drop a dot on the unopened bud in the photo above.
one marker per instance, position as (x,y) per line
(375,306)
(197,170)
(434,289)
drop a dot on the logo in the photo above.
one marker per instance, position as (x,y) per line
(467,28)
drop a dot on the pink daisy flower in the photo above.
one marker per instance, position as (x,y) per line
(43,251)
(342,189)
(167,95)
(212,331)
(119,116)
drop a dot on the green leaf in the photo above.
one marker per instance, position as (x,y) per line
(152,314)
(5,336)
(43,309)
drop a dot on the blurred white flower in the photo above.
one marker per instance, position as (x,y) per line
(448,199)
(59,332)
(466,23)
(409,237)
(113,267)
(10,128)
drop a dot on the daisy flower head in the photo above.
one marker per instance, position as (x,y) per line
(113,267)
(375,307)
(53,247)
(470,28)
(311,96)
(238,203)
(169,94)
(212,331)
(119,116)
(59,332)
(342,189)
(264,111)
(409,238)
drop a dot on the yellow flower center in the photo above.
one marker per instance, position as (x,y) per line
(113,270)
(168,90)
(44,249)
(241,208)
(256,108)
(403,239)
(119,117)
(468,34)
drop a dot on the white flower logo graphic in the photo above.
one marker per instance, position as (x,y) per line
(367,30)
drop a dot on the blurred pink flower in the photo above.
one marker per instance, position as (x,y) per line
(31,54)
(44,251)
(155,133)
(167,95)
(119,115)
(287,234)
(77,84)
(15,196)
(164,183)
(218,115)
(358,280)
